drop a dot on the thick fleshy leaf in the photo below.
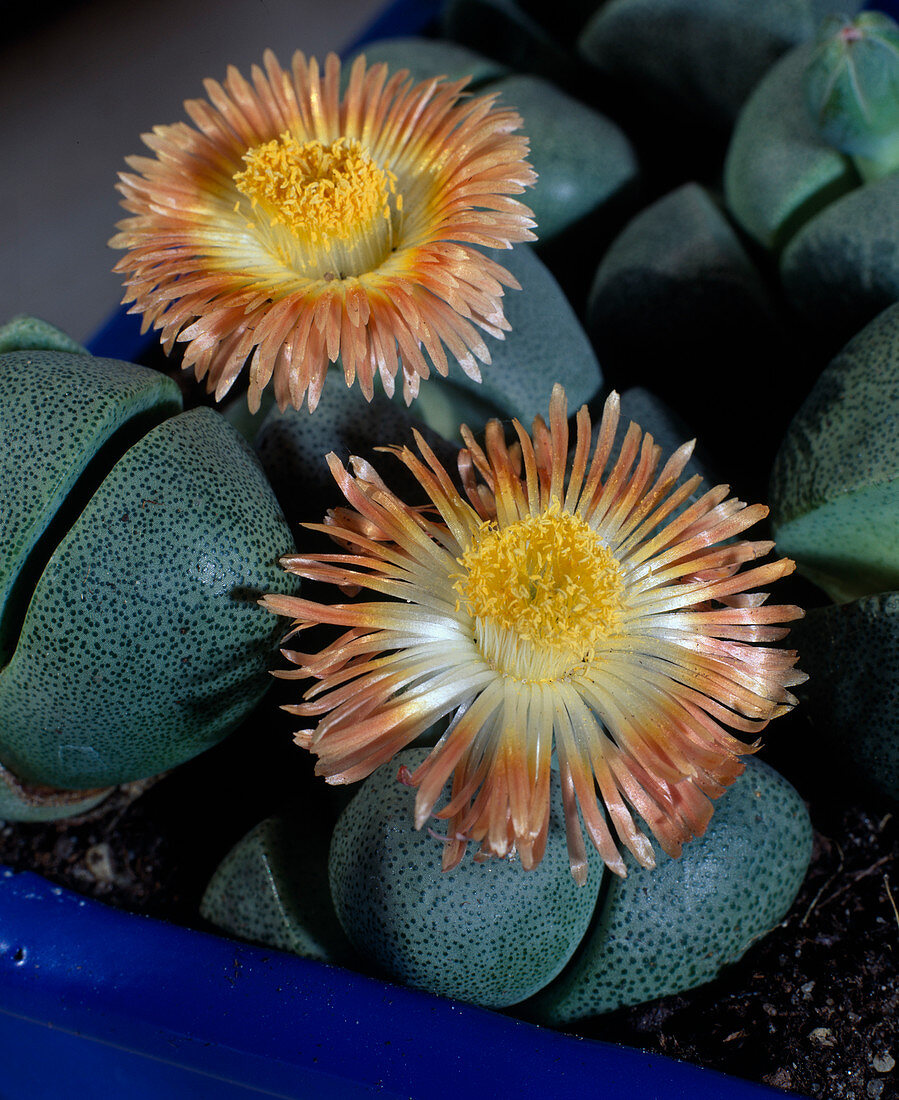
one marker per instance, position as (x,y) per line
(842,268)
(142,643)
(703,55)
(851,653)
(20,802)
(779,172)
(675,927)
(272,888)
(584,161)
(680,263)
(25,333)
(852,87)
(62,416)
(490,932)
(835,482)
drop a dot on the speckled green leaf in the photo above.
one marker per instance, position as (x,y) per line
(546,345)
(272,888)
(778,171)
(704,55)
(426,58)
(292,447)
(835,483)
(582,159)
(674,927)
(842,268)
(680,263)
(24,333)
(58,412)
(143,643)
(489,932)
(851,654)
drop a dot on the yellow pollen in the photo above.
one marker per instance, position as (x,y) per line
(321,193)
(546,581)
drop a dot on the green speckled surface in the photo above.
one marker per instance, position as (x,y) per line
(490,933)
(272,888)
(834,488)
(673,928)
(842,268)
(778,171)
(546,345)
(24,333)
(582,158)
(58,410)
(143,643)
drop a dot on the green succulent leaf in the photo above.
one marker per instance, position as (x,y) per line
(852,89)
(672,928)
(851,653)
(489,932)
(835,483)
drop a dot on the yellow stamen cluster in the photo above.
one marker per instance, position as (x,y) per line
(321,193)
(546,581)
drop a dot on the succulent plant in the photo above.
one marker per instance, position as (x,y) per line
(490,932)
(136,539)
(852,90)
(817,206)
(835,509)
(835,483)
(668,930)
(495,934)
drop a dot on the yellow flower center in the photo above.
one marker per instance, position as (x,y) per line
(544,592)
(329,197)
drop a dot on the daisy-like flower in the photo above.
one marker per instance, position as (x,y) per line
(298,225)
(592,611)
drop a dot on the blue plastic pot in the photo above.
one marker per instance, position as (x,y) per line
(101,1003)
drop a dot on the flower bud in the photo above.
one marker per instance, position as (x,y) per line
(852,90)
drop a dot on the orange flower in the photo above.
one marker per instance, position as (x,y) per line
(592,611)
(298,225)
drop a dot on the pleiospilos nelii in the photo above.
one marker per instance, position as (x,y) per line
(137,539)
(675,927)
(835,509)
(835,482)
(489,933)
(495,934)
(810,173)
